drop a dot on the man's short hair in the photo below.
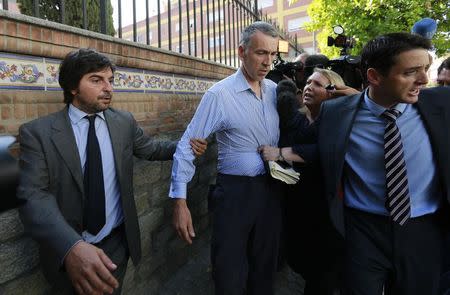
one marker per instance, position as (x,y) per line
(444,65)
(381,53)
(78,63)
(301,57)
(315,61)
(263,27)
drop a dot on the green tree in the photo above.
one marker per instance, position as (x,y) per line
(50,10)
(366,19)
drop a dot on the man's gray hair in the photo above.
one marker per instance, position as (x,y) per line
(263,27)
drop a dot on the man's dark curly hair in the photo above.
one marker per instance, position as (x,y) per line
(381,53)
(78,63)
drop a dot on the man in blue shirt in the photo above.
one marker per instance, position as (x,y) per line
(241,111)
(77,180)
(385,156)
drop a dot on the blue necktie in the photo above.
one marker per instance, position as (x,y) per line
(94,188)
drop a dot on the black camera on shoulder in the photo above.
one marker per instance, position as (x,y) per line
(283,69)
(347,66)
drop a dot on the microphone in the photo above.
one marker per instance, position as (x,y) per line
(287,102)
(425,27)
(286,86)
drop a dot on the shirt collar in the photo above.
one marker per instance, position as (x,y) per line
(377,110)
(76,114)
(241,83)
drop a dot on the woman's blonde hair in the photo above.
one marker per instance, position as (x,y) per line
(332,76)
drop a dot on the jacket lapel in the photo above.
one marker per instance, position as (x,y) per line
(114,129)
(346,115)
(64,141)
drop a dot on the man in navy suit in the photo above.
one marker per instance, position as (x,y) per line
(385,158)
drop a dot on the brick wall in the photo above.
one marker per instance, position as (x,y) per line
(163,114)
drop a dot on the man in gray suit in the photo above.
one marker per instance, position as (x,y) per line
(77,179)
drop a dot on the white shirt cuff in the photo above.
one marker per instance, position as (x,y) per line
(178,190)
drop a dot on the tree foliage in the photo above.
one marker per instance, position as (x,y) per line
(366,19)
(50,10)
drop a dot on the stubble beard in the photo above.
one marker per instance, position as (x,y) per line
(97,106)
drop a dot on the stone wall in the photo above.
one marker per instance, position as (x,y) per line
(160,88)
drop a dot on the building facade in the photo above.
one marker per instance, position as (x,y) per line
(210,29)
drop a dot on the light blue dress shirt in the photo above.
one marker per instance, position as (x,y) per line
(242,122)
(365,176)
(113,207)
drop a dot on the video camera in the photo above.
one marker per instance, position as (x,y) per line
(341,40)
(347,66)
(282,68)
(9,175)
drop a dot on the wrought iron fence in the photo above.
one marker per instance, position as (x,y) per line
(208,29)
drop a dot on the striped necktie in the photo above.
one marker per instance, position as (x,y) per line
(397,191)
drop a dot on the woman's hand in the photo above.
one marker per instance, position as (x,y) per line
(269,153)
(199,146)
(342,90)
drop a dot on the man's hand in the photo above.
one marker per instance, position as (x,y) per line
(198,146)
(182,220)
(90,269)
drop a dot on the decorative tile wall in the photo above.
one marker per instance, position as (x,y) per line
(24,72)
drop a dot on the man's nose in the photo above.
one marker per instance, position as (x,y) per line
(423,78)
(108,86)
(267,60)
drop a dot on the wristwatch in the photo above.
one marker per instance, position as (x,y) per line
(280,155)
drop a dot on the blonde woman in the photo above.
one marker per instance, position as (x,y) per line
(313,247)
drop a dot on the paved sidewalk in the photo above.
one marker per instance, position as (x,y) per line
(194,278)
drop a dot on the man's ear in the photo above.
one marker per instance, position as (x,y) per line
(74,92)
(374,77)
(241,52)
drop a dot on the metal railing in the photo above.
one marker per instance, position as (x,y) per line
(208,29)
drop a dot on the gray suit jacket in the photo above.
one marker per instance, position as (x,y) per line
(334,127)
(52,182)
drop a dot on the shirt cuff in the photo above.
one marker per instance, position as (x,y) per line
(178,190)
(64,258)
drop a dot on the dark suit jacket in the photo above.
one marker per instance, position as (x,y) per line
(52,181)
(334,127)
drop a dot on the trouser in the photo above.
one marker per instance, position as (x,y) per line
(404,260)
(246,234)
(116,248)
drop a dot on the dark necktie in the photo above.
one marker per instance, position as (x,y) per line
(397,191)
(94,208)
